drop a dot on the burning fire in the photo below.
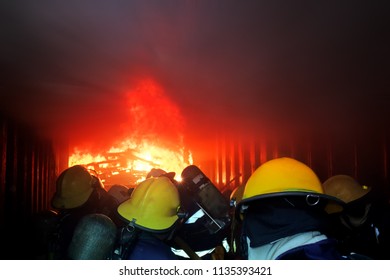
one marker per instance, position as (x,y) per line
(130,159)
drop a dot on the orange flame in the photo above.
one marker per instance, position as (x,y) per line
(149,145)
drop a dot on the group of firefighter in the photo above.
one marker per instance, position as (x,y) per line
(283,211)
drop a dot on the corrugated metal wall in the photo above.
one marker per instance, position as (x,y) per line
(30,164)
(365,158)
(28,171)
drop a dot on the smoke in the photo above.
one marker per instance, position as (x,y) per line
(235,67)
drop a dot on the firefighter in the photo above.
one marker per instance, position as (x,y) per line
(152,214)
(206,227)
(235,227)
(364,225)
(120,192)
(79,192)
(44,226)
(283,213)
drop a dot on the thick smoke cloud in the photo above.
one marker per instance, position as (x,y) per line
(234,66)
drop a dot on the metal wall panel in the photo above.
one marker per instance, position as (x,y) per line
(365,158)
(28,173)
(3,164)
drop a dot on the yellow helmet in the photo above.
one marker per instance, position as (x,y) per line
(345,188)
(284,177)
(153,205)
(73,188)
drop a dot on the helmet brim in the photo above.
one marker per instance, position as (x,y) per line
(60,202)
(329,203)
(130,213)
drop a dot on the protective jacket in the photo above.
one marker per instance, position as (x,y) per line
(149,247)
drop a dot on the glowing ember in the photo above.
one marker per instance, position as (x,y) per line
(150,145)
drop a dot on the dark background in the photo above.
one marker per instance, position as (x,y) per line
(228,65)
